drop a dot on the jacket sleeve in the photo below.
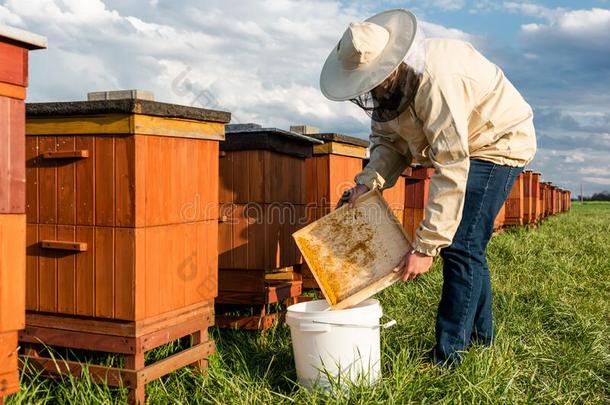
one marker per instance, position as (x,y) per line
(442,110)
(389,156)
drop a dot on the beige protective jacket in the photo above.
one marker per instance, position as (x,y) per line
(465,108)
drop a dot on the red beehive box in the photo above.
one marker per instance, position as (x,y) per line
(14,48)
(514,206)
(263,200)
(122,198)
(330,171)
(417,186)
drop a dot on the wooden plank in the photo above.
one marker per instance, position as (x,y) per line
(8,352)
(32,257)
(140,270)
(104,181)
(66,270)
(79,125)
(85,181)
(177,127)
(12,271)
(239,230)
(140,179)
(66,181)
(12,156)
(47,271)
(104,272)
(226,191)
(47,186)
(341,149)
(206,287)
(256,176)
(12,91)
(125,288)
(80,324)
(9,383)
(175,362)
(124,179)
(85,272)
(241,176)
(114,377)
(256,230)
(158,338)
(13,64)
(31,179)
(69,244)
(66,154)
(225,236)
(352,252)
(153,247)
(77,339)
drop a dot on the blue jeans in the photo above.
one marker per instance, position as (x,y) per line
(464,313)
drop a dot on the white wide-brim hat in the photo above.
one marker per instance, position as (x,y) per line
(367,54)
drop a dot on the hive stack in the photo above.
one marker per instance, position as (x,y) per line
(263,201)
(122,212)
(330,171)
(14,48)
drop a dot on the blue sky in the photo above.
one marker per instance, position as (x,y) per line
(260,59)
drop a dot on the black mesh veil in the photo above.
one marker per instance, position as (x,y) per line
(388,100)
(392,97)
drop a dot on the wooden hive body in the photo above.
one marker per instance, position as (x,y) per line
(121,207)
(14,52)
(263,200)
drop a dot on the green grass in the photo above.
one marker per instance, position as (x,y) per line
(552,313)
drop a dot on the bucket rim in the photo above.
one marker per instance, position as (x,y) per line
(366,304)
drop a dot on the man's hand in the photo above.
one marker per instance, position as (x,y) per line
(351,195)
(413,264)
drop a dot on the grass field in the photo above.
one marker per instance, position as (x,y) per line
(552,313)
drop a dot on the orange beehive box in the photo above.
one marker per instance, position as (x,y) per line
(122,212)
(263,200)
(14,51)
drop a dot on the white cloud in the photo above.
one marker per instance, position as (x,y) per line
(605,181)
(259,60)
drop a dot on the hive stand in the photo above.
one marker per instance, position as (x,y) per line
(15,45)
(131,339)
(122,212)
(262,202)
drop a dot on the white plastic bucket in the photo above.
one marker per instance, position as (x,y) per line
(342,344)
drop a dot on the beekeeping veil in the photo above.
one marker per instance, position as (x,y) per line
(377,64)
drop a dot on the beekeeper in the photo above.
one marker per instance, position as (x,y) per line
(441,103)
